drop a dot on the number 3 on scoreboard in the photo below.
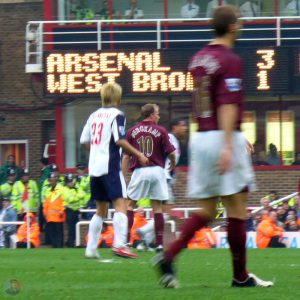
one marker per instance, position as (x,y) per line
(96,133)
(268,63)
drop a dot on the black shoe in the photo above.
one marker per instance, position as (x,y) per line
(166,271)
(159,249)
(252,281)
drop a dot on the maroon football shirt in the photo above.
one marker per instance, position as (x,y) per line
(219,73)
(152,140)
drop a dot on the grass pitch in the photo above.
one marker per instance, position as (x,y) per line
(203,274)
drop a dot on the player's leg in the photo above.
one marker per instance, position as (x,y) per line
(159,223)
(164,261)
(130,216)
(120,222)
(236,229)
(95,229)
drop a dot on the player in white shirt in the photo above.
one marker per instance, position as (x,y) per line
(190,10)
(292,8)
(105,132)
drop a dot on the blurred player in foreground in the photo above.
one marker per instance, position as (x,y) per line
(219,163)
(105,132)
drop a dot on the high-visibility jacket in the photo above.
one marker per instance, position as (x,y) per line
(138,222)
(34,236)
(84,184)
(46,188)
(54,210)
(203,239)
(6,189)
(145,202)
(107,236)
(73,197)
(267,229)
(44,176)
(17,195)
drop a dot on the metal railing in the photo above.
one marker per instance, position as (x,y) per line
(154,32)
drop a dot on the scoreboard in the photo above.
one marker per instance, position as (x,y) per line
(267,71)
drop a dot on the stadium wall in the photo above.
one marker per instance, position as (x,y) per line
(21,112)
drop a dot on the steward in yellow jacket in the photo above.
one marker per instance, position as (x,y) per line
(54,211)
(268,233)
(6,188)
(83,183)
(73,197)
(25,193)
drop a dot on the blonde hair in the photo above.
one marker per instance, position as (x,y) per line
(111,94)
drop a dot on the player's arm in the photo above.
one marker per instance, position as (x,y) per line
(227,117)
(131,150)
(125,164)
(172,159)
(85,137)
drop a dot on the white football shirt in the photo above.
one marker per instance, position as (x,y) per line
(102,130)
(174,141)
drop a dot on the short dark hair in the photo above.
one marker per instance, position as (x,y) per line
(44,161)
(175,122)
(147,110)
(223,17)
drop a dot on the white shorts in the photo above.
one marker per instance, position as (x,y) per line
(148,182)
(204,181)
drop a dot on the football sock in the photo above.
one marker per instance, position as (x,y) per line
(120,222)
(159,224)
(237,241)
(194,223)
(95,229)
(130,216)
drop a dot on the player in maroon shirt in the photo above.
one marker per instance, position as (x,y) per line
(219,164)
(149,182)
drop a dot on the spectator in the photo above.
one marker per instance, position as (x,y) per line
(134,12)
(268,233)
(293,226)
(6,188)
(249,221)
(34,230)
(297,160)
(7,214)
(9,164)
(83,182)
(265,202)
(54,211)
(292,8)
(273,195)
(139,221)
(273,158)
(289,219)
(106,14)
(281,214)
(45,171)
(106,239)
(250,8)
(25,195)
(203,239)
(260,159)
(190,10)
(212,5)
(73,197)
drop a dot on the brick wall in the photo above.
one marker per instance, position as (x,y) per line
(15,84)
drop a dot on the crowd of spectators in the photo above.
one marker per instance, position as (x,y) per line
(83,10)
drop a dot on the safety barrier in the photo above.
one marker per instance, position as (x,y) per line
(80,223)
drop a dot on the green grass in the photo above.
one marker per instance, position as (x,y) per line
(203,274)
